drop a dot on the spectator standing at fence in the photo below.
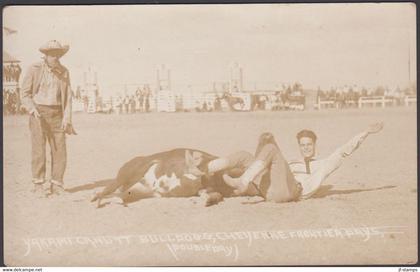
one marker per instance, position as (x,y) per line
(288,91)
(137,99)
(339,98)
(399,96)
(147,99)
(18,72)
(204,107)
(133,104)
(78,94)
(126,103)
(121,103)
(357,96)
(85,103)
(140,99)
(8,73)
(118,104)
(348,96)
(12,72)
(217,104)
(263,101)
(46,94)
(130,109)
(130,104)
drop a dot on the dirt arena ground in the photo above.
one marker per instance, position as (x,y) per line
(365,213)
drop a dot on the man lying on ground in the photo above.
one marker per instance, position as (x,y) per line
(269,175)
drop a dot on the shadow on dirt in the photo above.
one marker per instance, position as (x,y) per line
(90,186)
(326,190)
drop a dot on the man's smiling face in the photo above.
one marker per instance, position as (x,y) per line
(307,147)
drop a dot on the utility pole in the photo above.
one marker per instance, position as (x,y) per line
(409,63)
(409,57)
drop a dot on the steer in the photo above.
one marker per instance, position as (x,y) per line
(179,172)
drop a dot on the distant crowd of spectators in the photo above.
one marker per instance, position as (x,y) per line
(290,97)
(349,96)
(11,72)
(138,102)
(11,102)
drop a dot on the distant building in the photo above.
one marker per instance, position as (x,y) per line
(90,89)
(164,95)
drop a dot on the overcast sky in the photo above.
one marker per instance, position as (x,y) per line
(316,44)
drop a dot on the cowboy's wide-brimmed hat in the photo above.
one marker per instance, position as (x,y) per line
(54,45)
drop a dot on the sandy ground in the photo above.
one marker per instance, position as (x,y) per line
(374,192)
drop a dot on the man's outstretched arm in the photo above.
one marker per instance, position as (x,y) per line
(330,164)
(335,159)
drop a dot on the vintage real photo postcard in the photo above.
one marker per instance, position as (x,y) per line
(208,135)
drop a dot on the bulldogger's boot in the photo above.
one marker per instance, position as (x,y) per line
(241,183)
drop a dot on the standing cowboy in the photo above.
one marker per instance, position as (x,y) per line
(46,95)
(18,72)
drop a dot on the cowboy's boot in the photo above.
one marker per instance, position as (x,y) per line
(38,188)
(56,188)
(241,183)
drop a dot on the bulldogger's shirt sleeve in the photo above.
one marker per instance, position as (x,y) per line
(321,169)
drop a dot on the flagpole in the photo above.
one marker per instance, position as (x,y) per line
(409,66)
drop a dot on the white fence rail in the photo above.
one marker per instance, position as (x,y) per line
(381,101)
